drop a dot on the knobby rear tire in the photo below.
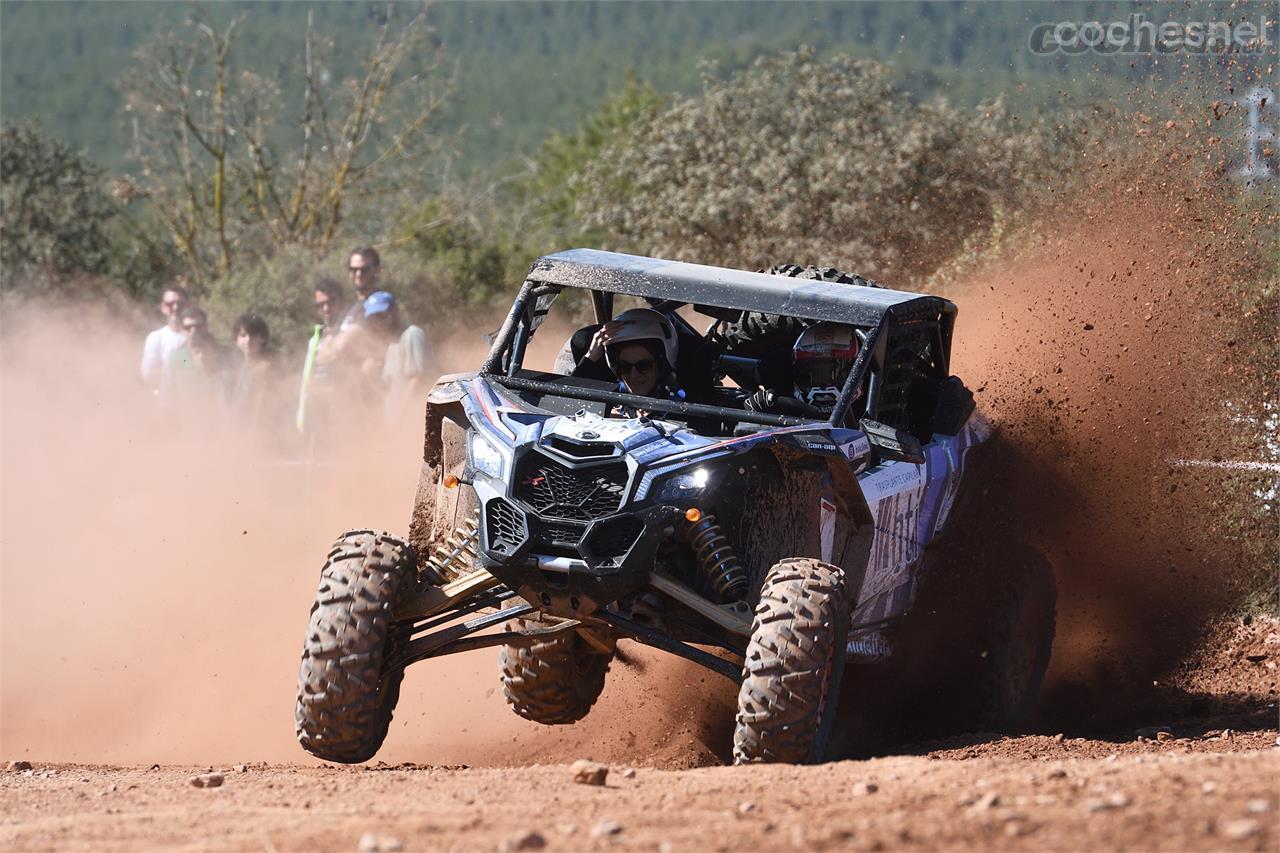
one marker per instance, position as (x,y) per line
(345,698)
(1014,642)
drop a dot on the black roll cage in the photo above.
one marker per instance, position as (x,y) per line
(509,345)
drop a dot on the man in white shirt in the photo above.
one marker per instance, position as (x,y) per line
(157,352)
(409,366)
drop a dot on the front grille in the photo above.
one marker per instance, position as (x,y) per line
(553,490)
(551,533)
(505,526)
(610,541)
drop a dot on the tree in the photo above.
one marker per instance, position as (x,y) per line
(56,213)
(807,161)
(550,185)
(235,172)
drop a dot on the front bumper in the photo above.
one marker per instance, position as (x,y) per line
(569,569)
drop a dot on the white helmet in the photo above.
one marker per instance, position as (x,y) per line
(643,324)
(824,355)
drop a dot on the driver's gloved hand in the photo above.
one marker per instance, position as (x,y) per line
(763,400)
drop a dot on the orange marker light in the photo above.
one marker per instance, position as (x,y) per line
(693,514)
(450,481)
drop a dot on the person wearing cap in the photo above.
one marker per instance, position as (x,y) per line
(409,365)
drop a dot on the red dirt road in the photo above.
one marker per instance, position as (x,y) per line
(1209,781)
(1029,793)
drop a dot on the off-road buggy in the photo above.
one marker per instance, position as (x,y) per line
(770,548)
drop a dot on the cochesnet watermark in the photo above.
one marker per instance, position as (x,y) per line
(1136,35)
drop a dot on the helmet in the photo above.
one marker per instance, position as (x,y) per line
(643,324)
(824,355)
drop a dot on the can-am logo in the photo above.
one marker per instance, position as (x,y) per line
(1136,35)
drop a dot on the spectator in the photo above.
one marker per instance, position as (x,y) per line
(318,371)
(409,365)
(194,320)
(201,350)
(157,352)
(349,351)
(250,396)
(199,374)
(365,268)
(330,299)
(206,355)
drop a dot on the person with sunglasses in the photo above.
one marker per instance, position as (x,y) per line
(322,377)
(345,348)
(365,268)
(197,367)
(194,320)
(161,344)
(639,347)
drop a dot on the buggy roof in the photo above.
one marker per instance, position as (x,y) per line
(698,284)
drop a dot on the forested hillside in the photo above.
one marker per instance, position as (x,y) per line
(244,147)
(524,69)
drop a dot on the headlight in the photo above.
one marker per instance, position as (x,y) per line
(485,457)
(686,484)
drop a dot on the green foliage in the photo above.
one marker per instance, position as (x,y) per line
(469,246)
(550,187)
(279,288)
(59,224)
(454,245)
(55,211)
(528,67)
(433,291)
(803,160)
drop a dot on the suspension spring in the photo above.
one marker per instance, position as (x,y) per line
(719,564)
(456,555)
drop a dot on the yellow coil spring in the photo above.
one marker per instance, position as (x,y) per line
(456,555)
(719,563)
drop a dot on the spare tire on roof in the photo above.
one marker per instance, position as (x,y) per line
(830,274)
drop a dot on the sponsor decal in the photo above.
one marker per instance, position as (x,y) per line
(856,449)
(817,444)
(896,545)
(891,478)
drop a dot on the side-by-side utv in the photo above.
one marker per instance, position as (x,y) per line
(557,515)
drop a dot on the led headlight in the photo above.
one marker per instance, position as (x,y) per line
(485,458)
(686,484)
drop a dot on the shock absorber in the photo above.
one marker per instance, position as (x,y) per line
(453,557)
(719,564)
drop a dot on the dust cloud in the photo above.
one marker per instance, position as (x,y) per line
(1130,332)
(158,571)
(157,568)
